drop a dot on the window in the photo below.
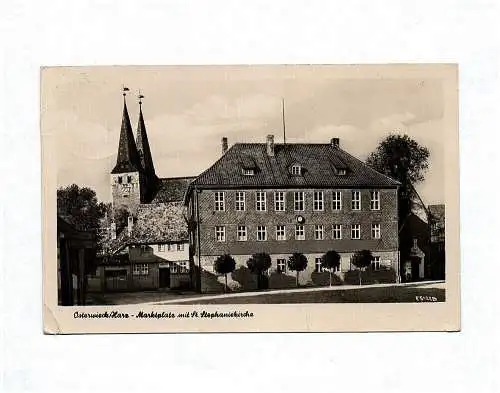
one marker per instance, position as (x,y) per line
(337,231)
(341,172)
(319,232)
(120,180)
(161,247)
(298,201)
(241,233)
(129,179)
(280,232)
(318,201)
(171,247)
(144,249)
(260,201)
(173,267)
(356,200)
(337,200)
(182,267)
(279,201)
(299,232)
(180,247)
(141,269)
(317,265)
(220,233)
(356,231)
(281,266)
(219,201)
(240,201)
(296,170)
(374,200)
(248,171)
(375,263)
(261,233)
(375,231)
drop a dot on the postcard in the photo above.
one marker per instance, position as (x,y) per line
(250,198)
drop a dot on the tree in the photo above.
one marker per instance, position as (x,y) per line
(224,264)
(330,261)
(258,264)
(79,206)
(403,159)
(297,262)
(362,259)
(120,217)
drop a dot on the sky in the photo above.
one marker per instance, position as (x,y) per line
(187,110)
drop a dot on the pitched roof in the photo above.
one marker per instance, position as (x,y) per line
(437,212)
(320,164)
(171,189)
(127,159)
(143,147)
(155,223)
(160,222)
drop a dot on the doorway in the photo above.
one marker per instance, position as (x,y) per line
(164,277)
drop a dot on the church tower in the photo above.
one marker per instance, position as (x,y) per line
(128,180)
(145,157)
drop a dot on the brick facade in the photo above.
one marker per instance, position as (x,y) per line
(386,247)
(251,218)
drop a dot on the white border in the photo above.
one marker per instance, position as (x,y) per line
(39,33)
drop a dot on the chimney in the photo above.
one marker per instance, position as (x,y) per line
(130,225)
(270,145)
(224,145)
(113,231)
(335,142)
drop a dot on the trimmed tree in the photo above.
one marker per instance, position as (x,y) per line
(224,264)
(298,263)
(330,261)
(362,259)
(258,264)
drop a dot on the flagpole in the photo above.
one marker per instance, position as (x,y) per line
(283,119)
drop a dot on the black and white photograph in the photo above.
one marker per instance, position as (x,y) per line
(230,185)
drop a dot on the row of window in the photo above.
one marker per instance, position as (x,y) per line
(142,269)
(171,247)
(162,247)
(298,200)
(319,232)
(124,179)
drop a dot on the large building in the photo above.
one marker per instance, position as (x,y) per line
(145,243)
(285,198)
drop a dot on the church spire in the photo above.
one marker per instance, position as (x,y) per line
(127,159)
(143,145)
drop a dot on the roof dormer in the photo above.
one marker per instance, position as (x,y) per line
(248,165)
(296,169)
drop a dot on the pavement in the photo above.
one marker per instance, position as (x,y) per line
(193,298)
